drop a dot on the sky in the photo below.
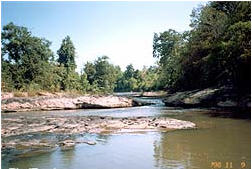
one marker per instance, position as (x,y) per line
(123,31)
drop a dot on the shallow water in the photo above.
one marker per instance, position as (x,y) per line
(219,139)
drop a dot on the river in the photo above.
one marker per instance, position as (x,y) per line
(221,140)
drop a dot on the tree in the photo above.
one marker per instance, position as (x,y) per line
(216,51)
(126,81)
(66,57)
(85,86)
(89,69)
(149,79)
(129,72)
(137,80)
(167,47)
(101,74)
(25,57)
(66,54)
(220,44)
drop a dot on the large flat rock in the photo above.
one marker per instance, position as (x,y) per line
(15,104)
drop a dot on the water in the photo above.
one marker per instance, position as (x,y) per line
(219,139)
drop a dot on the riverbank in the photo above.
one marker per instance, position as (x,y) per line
(223,97)
(59,101)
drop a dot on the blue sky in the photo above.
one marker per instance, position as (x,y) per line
(121,30)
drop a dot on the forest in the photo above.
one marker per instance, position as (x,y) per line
(216,51)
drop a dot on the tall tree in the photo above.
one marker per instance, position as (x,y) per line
(67,53)
(129,72)
(167,47)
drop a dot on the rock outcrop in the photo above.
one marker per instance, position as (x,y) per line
(15,104)
(211,97)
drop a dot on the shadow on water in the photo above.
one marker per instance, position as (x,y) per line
(231,113)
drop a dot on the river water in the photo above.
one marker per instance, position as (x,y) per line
(221,140)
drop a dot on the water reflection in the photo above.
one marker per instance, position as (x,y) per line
(199,148)
(67,159)
(245,114)
(178,149)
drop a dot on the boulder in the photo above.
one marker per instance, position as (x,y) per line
(87,142)
(103,102)
(192,98)
(67,144)
(224,97)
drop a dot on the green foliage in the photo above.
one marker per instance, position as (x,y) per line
(89,69)
(69,79)
(66,54)
(28,65)
(169,47)
(84,84)
(101,75)
(24,56)
(129,72)
(7,82)
(215,52)
(137,80)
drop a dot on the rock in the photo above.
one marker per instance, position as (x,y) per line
(87,142)
(16,104)
(31,144)
(190,98)
(6,95)
(79,125)
(153,94)
(210,97)
(200,96)
(29,128)
(227,103)
(104,102)
(67,144)
(245,102)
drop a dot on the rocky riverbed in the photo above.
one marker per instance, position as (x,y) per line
(89,124)
(23,135)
